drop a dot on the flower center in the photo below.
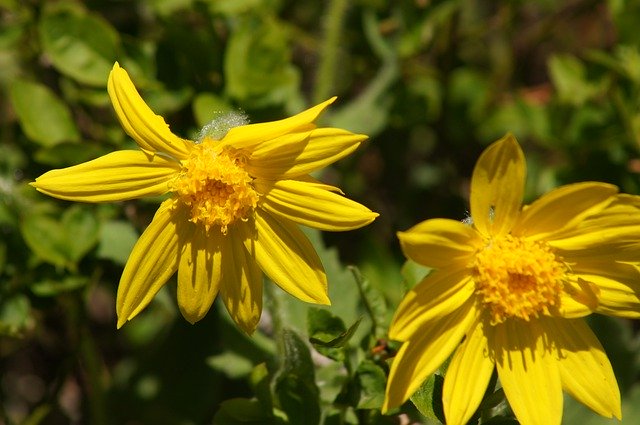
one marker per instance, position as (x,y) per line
(215,186)
(518,278)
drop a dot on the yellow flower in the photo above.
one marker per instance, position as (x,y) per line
(510,290)
(233,211)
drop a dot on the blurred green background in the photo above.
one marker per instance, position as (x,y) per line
(431,82)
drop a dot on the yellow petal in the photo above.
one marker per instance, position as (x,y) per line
(424,352)
(436,296)
(285,254)
(241,285)
(117,176)
(297,154)
(199,272)
(585,370)
(149,130)
(467,377)
(497,187)
(563,207)
(440,242)
(249,136)
(616,298)
(312,205)
(152,262)
(615,229)
(529,374)
(579,298)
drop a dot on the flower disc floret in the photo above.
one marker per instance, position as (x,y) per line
(518,278)
(215,186)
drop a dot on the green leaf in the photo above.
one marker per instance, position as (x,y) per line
(206,106)
(82,231)
(51,288)
(328,334)
(231,364)
(428,398)
(67,154)
(238,411)
(167,7)
(412,273)
(295,386)
(260,382)
(372,382)
(327,330)
(257,66)
(569,77)
(14,315)
(46,238)
(61,243)
(234,7)
(44,118)
(81,45)
(117,239)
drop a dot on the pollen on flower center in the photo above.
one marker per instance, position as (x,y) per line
(518,278)
(215,186)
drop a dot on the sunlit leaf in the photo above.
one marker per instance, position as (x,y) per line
(428,398)
(116,241)
(372,382)
(44,118)
(81,45)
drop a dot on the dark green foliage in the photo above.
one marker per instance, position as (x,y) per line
(431,82)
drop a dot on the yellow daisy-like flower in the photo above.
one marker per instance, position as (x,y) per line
(514,287)
(233,212)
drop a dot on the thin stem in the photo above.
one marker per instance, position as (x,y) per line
(90,359)
(330,50)
(273,305)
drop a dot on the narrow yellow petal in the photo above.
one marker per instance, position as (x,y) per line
(199,272)
(241,285)
(297,154)
(312,205)
(440,242)
(424,352)
(249,136)
(467,377)
(563,208)
(149,130)
(152,262)
(528,372)
(117,176)
(497,187)
(436,296)
(285,254)
(585,370)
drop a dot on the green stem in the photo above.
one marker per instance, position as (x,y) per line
(330,50)
(90,359)
(273,305)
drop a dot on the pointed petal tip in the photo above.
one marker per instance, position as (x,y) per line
(248,327)
(317,298)
(189,317)
(121,322)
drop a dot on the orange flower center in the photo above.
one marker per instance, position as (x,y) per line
(518,278)
(215,186)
